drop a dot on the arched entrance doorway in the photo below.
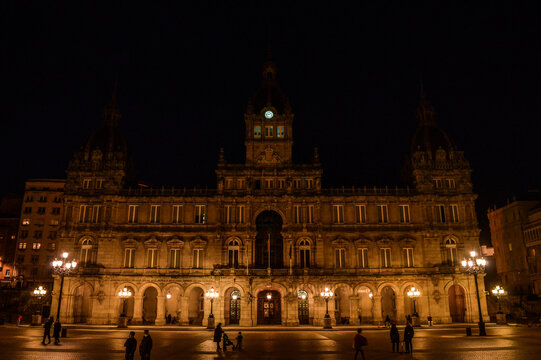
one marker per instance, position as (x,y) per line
(150,305)
(269,306)
(196,306)
(341,306)
(234,307)
(366,304)
(457,307)
(82,304)
(304,314)
(388,303)
(172,309)
(269,223)
(128,308)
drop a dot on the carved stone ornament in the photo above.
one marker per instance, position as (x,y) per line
(101,297)
(436,296)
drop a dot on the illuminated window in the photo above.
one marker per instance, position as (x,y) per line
(338,214)
(133,214)
(385,257)
(54,222)
(383,214)
(269,131)
(408,257)
(86,252)
(360,214)
(404,214)
(177,214)
(257,131)
(450,246)
(36,246)
(362,258)
(26,222)
(22,246)
(280,131)
(233,253)
(199,212)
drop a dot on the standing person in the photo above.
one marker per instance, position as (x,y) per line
(387,321)
(408,319)
(47,330)
(429,320)
(408,336)
(130,345)
(218,335)
(358,342)
(239,342)
(395,337)
(145,346)
(56,331)
(19,318)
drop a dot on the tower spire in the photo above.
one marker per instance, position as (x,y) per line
(425,111)
(111,113)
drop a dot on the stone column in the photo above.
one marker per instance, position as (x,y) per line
(245,312)
(292,318)
(183,317)
(378,319)
(160,310)
(400,311)
(354,310)
(137,310)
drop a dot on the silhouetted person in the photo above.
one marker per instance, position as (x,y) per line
(131,346)
(47,330)
(408,319)
(408,336)
(358,342)
(218,335)
(429,320)
(169,319)
(56,331)
(239,342)
(145,346)
(387,321)
(395,337)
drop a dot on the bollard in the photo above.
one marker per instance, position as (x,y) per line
(64,332)
(468,331)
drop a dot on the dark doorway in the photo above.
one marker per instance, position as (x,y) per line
(269,306)
(304,318)
(457,308)
(150,305)
(269,223)
(234,308)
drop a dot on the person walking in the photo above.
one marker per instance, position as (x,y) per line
(131,346)
(395,338)
(47,330)
(239,342)
(56,331)
(218,336)
(358,342)
(408,336)
(145,346)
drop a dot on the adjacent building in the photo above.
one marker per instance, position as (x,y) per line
(10,207)
(270,236)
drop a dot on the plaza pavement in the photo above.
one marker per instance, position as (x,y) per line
(439,342)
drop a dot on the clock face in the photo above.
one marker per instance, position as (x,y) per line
(269,114)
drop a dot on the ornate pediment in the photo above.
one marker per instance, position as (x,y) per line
(198,243)
(152,243)
(129,244)
(175,243)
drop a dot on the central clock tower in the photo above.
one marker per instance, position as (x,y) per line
(268,118)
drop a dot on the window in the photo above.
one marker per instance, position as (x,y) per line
(228,214)
(8,273)
(43,198)
(233,253)
(340,258)
(52,235)
(408,257)
(38,234)
(281,184)
(95,214)
(26,222)
(268,184)
(199,214)
(57,199)
(20,259)
(84,213)
(154,214)
(304,254)
(385,257)
(54,222)
(360,214)
(99,183)
(29,198)
(87,183)
(39,222)
(28,210)
(174,258)
(404,214)
(362,258)
(34,259)
(36,246)
(240,184)
(86,252)
(338,214)
(454,213)
(177,214)
(34,272)
(56,211)
(197,258)
(51,246)
(41,210)
(297,214)
(133,214)
(280,131)
(257,131)
(24,234)
(438,183)
(269,131)
(240,214)
(129,257)
(383,214)
(310,214)
(297,183)
(309,183)
(451,255)
(439,212)
(451,183)
(22,246)
(229,183)
(152,258)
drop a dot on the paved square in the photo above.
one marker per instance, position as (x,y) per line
(435,343)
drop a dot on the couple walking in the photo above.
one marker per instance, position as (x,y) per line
(144,347)
(57,328)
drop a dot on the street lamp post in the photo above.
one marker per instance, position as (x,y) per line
(327,295)
(372,300)
(498,291)
(476,265)
(211,294)
(38,293)
(413,294)
(124,294)
(62,268)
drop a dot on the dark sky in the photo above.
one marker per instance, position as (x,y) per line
(351,72)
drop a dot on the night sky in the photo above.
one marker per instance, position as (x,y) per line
(185,74)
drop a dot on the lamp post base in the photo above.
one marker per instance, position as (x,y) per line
(482,331)
(327,323)
(415,321)
(123,322)
(211,323)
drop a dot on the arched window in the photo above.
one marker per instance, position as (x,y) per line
(86,252)
(233,253)
(304,254)
(450,250)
